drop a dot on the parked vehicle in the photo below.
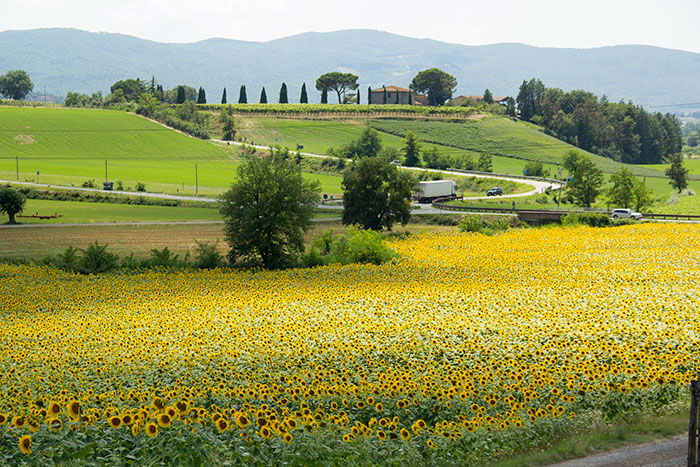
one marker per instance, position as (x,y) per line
(495,191)
(625,214)
(426,192)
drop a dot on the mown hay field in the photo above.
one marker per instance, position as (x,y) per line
(467,349)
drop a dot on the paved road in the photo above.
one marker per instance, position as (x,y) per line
(671,452)
(538,185)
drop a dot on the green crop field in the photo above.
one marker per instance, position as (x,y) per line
(70,146)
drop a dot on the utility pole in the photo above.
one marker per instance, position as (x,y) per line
(196,180)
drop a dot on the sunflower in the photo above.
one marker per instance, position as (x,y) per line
(292,423)
(381,435)
(127,419)
(73,409)
(25,444)
(265,432)
(182,406)
(3,419)
(54,409)
(19,422)
(287,438)
(242,420)
(33,425)
(221,425)
(164,420)
(431,444)
(158,403)
(171,412)
(115,422)
(404,434)
(379,407)
(54,423)
(151,429)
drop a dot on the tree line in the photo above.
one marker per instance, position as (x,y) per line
(620,131)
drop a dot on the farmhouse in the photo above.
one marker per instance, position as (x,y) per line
(397,95)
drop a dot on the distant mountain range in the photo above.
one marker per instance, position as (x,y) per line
(65,60)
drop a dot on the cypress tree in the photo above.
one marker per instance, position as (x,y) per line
(242,97)
(384,95)
(283,94)
(324,96)
(357,96)
(397,96)
(304,99)
(180,95)
(263,96)
(223,97)
(202,96)
(369,94)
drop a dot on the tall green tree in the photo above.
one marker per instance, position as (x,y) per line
(643,196)
(267,210)
(12,202)
(357,96)
(587,178)
(338,82)
(304,99)
(411,150)
(510,107)
(180,95)
(530,98)
(384,95)
(367,145)
(622,191)
(677,172)
(132,88)
(263,96)
(242,96)
(438,84)
(223,97)
(485,163)
(202,96)
(15,84)
(324,96)
(369,95)
(376,194)
(488,97)
(283,94)
(229,124)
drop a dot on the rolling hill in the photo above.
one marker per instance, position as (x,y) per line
(72,60)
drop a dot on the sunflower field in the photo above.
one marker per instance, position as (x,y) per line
(467,348)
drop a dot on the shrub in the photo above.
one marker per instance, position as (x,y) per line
(471,223)
(163,257)
(592,219)
(140,186)
(89,183)
(367,246)
(206,255)
(96,259)
(68,259)
(359,246)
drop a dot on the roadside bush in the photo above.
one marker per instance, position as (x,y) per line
(592,219)
(89,183)
(140,186)
(68,259)
(471,223)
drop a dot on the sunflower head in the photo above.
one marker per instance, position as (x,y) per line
(115,421)
(127,419)
(73,409)
(287,438)
(3,419)
(221,425)
(242,420)
(164,420)
(54,409)
(19,422)
(151,429)
(158,403)
(25,444)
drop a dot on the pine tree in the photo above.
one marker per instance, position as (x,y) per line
(242,97)
(283,94)
(223,97)
(180,95)
(263,96)
(304,99)
(324,96)
(488,97)
(202,96)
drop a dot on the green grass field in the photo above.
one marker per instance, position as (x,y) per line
(70,146)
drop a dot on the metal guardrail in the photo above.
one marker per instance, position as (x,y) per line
(553,212)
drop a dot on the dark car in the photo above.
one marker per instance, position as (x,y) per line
(495,191)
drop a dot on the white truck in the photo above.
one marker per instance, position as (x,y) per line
(426,192)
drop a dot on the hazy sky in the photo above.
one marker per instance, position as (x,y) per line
(545,23)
